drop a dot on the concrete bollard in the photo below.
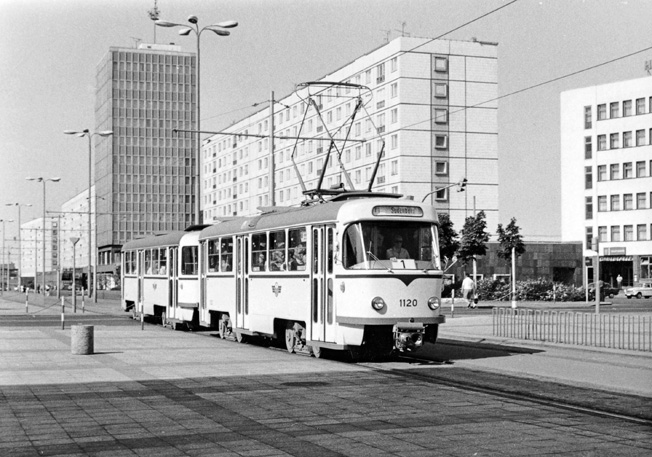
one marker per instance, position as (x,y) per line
(82,340)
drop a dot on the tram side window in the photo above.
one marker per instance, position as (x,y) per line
(227,254)
(189,260)
(297,249)
(155,261)
(163,261)
(259,252)
(213,256)
(129,263)
(277,251)
(148,262)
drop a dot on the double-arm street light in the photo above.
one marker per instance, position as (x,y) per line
(43,180)
(218,29)
(92,281)
(19,243)
(2,280)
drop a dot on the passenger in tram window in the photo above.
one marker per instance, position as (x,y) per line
(226,263)
(278,261)
(298,261)
(397,251)
(259,262)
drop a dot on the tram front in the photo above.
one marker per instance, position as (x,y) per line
(390,278)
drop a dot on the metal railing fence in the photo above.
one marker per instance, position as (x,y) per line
(618,331)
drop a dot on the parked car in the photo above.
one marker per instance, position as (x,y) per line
(606,290)
(644,289)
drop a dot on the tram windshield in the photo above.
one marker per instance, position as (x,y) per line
(391,245)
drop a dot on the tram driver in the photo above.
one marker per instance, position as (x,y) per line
(397,251)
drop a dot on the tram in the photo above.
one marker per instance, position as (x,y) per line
(359,273)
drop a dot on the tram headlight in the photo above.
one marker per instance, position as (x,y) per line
(434,303)
(377,303)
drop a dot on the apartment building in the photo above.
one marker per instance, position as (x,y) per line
(428,105)
(606,175)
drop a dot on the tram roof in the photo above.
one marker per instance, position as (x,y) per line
(287,217)
(166,239)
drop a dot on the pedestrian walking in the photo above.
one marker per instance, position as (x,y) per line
(468,287)
(619,279)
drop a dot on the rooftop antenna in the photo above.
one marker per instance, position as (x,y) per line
(387,34)
(154,15)
(136,41)
(403,33)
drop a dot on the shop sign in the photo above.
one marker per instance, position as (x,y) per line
(615,251)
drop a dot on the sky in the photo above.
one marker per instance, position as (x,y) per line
(49,50)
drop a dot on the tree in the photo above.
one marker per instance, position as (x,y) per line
(448,242)
(474,237)
(510,238)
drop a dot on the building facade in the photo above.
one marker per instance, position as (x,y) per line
(606,175)
(144,173)
(74,224)
(33,260)
(428,105)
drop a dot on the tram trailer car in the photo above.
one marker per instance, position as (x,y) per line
(355,274)
(161,279)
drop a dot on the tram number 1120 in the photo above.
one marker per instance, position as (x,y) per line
(407,302)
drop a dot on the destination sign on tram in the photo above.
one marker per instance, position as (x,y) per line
(394,210)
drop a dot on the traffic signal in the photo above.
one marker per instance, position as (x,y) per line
(462,185)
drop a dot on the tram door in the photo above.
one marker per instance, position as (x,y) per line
(203,261)
(173,268)
(140,262)
(322,304)
(242,282)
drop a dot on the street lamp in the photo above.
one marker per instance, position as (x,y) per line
(20,271)
(92,273)
(461,188)
(218,29)
(2,280)
(43,180)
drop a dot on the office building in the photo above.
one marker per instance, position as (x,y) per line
(144,173)
(606,175)
(33,260)
(431,103)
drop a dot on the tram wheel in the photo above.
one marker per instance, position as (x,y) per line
(290,339)
(317,352)
(223,328)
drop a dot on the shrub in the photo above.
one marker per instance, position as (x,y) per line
(528,290)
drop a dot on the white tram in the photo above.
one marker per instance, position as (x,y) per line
(160,277)
(356,274)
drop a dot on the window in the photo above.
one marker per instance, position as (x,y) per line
(588,206)
(640,137)
(640,200)
(588,177)
(393,114)
(615,203)
(640,106)
(628,201)
(614,171)
(614,141)
(441,64)
(602,233)
(394,167)
(602,172)
(641,232)
(441,141)
(614,110)
(627,108)
(628,232)
(189,260)
(589,236)
(394,64)
(393,89)
(627,140)
(602,112)
(602,142)
(615,233)
(441,90)
(441,168)
(588,147)
(602,203)
(628,171)
(380,73)
(441,115)
(587,117)
(441,194)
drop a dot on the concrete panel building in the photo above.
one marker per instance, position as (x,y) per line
(431,103)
